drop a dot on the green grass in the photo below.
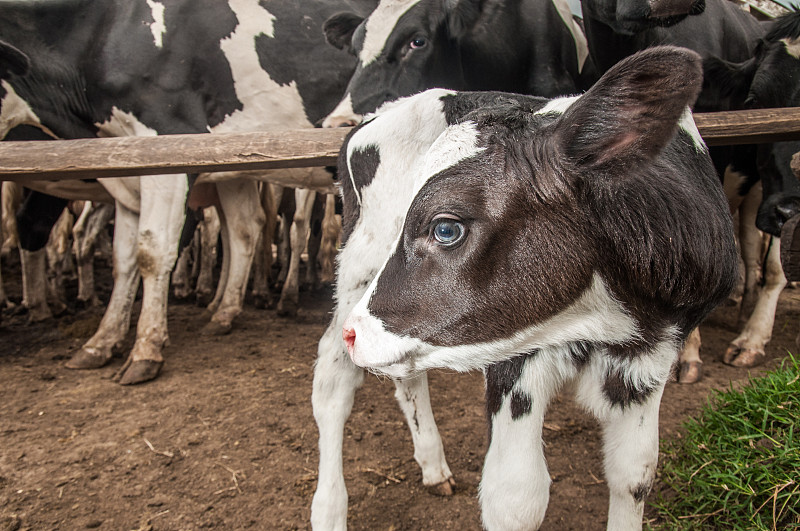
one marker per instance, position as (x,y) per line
(738,465)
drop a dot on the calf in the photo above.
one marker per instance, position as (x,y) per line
(572,240)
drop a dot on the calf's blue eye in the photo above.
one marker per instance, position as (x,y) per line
(448,231)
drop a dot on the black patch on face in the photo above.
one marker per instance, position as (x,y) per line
(364,162)
(458,107)
(621,394)
(298,52)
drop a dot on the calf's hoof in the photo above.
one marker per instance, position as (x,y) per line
(691,372)
(743,357)
(445,488)
(89,358)
(213,328)
(134,372)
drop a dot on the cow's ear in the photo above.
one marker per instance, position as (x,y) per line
(339,29)
(724,79)
(12,61)
(463,14)
(632,112)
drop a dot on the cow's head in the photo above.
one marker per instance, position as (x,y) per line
(403,47)
(501,240)
(629,17)
(769,79)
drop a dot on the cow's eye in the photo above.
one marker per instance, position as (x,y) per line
(447,231)
(418,42)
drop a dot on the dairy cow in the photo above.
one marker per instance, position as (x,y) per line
(543,241)
(79,69)
(406,46)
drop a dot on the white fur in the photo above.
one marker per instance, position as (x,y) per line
(343,113)
(15,111)
(594,317)
(380,25)
(157,27)
(792,47)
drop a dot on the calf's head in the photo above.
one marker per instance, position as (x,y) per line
(506,232)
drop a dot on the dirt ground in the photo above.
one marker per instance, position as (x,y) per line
(225,437)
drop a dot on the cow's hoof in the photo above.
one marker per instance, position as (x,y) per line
(691,372)
(204,299)
(747,357)
(262,302)
(213,328)
(89,359)
(445,488)
(39,314)
(136,372)
(287,308)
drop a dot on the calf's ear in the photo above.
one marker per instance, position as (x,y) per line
(12,61)
(632,112)
(339,29)
(728,80)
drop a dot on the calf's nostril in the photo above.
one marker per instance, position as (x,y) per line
(349,337)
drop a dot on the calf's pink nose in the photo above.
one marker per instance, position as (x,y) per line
(349,336)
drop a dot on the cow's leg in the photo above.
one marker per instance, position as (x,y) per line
(336,379)
(747,349)
(691,366)
(262,265)
(514,489)
(34,284)
(117,319)
(58,257)
(181,281)
(751,244)
(242,220)
(314,242)
(90,225)
(209,236)
(162,216)
(414,398)
(331,229)
(289,301)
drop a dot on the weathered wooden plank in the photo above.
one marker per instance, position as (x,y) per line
(749,127)
(126,156)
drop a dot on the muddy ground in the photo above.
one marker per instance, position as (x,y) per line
(225,438)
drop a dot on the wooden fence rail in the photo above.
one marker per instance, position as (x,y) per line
(128,156)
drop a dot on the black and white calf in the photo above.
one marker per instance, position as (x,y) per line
(576,240)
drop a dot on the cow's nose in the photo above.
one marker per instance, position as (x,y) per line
(347,123)
(349,337)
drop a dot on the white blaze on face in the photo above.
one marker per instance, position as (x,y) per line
(380,25)
(266,104)
(157,27)
(15,111)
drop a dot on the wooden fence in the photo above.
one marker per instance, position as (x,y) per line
(129,156)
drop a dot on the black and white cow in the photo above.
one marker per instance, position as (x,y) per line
(406,46)
(545,241)
(715,28)
(143,67)
(768,79)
